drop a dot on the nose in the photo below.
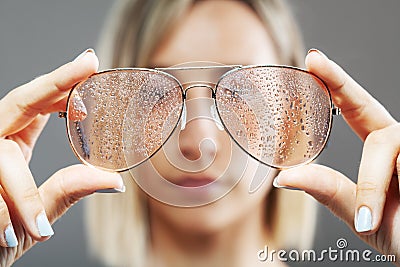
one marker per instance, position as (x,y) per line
(200,135)
(199,143)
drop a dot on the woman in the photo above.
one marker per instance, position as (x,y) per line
(155,45)
(208,235)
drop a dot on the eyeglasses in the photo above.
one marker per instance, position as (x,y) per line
(279,115)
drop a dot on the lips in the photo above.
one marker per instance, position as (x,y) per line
(194,182)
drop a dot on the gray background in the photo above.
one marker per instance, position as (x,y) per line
(39,35)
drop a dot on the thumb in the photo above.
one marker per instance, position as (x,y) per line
(327,186)
(69,185)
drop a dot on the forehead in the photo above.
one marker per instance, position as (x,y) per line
(228,32)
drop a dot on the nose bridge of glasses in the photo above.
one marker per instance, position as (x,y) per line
(199,101)
(200,105)
(196,89)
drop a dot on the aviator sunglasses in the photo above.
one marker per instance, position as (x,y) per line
(279,115)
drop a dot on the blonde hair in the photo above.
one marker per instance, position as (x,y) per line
(117,225)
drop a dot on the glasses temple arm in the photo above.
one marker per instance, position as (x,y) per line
(62,114)
(336,111)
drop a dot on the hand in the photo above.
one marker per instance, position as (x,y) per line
(371,207)
(26,211)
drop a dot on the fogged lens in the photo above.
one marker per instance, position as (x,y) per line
(281,116)
(115,117)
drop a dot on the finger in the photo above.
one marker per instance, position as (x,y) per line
(8,237)
(329,187)
(27,138)
(57,107)
(19,107)
(69,185)
(32,132)
(77,109)
(362,112)
(21,194)
(378,164)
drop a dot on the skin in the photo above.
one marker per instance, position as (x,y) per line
(25,110)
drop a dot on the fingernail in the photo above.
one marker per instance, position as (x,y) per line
(11,238)
(312,50)
(89,50)
(363,222)
(120,189)
(43,225)
(276,184)
(317,51)
(112,190)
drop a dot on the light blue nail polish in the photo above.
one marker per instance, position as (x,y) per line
(10,236)
(43,225)
(111,190)
(363,222)
(277,185)
(275,182)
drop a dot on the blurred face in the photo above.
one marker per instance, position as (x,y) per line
(228,32)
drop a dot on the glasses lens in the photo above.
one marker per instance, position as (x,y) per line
(117,119)
(281,116)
